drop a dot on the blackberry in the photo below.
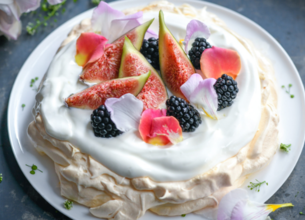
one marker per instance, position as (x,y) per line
(226,89)
(150,50)
(188,117)
(102,124)
(199,45)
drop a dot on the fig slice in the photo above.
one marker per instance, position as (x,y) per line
(216,61)
(133,63)
(93,97)
(107,66)
(175,66)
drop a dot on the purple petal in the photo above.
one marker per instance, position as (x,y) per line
(124,24)
(195,29)
(102,17)
(150,33)
(229,201)
(125,111)
(201,94)
(10,25)
(27,5)
(112,23)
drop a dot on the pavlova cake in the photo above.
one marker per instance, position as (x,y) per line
(166,115)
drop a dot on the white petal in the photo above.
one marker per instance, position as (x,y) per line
(125,112)
(190,85)
(55,2)
(201,94)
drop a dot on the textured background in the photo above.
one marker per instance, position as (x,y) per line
(283,19)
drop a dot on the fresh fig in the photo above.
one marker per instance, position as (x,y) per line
(107,67)
(96,95)
(133,63)
(175,66)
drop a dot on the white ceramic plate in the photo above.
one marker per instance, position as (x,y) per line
(292,119)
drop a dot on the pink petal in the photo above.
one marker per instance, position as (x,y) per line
(195,29)
(89,48)
(201,94)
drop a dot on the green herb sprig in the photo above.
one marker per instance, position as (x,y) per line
(256,186)
(68,204)
(96,2)
(1,177)
(34,168)
(288,90)
(50,11)
(285,147)
(301,213)
(183,215)
(22,106)
(32,83)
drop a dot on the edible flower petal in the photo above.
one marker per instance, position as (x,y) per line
(195,29)
(168,128)
(236,206)
(112,23)
(125,111)
(89,47)
(201,93)
(158,129)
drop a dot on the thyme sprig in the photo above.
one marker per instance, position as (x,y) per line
(1,177)
(32,83)
(256,185)
(50,11)
(34,168)
(288,90)
(285,147)
(68,204)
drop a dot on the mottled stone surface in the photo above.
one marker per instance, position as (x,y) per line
(283,19)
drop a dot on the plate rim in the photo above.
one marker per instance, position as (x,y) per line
(11,124)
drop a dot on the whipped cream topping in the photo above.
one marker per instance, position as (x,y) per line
(89,182)
(128,155)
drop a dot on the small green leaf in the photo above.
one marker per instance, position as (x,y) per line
(285,147)
(32,172)
(283,87)
(290,85)
(68,204)
(1,178)
(183,215)
(34,167)
(292,96)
